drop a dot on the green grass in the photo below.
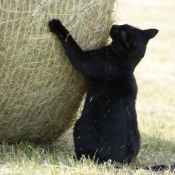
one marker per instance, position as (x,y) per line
(155,105)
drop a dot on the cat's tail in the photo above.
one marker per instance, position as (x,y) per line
(158,168)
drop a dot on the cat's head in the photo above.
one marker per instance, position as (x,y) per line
(130,42)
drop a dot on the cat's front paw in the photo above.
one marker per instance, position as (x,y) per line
(55,25)
(57,28)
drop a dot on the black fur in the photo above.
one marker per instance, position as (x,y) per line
(107,128)
(159,168)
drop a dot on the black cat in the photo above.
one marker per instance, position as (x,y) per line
(107,128)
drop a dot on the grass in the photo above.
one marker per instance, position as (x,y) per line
(155,105)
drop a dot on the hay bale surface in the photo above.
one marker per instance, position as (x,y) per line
(40,91)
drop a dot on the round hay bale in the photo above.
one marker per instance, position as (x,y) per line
(40,91)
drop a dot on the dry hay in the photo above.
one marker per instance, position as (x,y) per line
(40,91)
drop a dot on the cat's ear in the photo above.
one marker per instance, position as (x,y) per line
(150,33)
(129,42)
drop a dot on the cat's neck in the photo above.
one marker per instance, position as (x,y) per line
(110,50)
(124,59)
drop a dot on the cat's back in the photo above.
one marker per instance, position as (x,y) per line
(121,86)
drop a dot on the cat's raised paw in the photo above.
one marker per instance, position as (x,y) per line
(55,25)
(57,28)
